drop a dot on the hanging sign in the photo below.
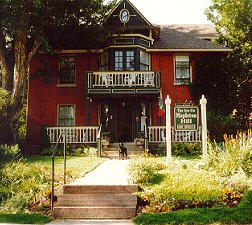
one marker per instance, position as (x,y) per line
(186,118)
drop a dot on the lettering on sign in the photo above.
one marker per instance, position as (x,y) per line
(186,118)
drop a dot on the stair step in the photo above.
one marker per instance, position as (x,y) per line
(94,212)
(108,200)
(95,189)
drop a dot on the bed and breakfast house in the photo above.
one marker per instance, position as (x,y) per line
(117,87)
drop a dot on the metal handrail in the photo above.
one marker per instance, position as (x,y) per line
(99,141)
(145,137)
(53,173)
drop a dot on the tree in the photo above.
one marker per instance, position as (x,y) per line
(233,21)
(23,26)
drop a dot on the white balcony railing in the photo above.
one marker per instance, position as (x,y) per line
(157,134)
(87,134)
(123,79)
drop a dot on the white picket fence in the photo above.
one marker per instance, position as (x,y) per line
(87,134)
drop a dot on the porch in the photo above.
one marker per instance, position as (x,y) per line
(93,135)
(127,82)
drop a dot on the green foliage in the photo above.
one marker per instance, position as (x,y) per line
(181,149)
(8,153)
(5,102)
(218,124)
(144,171)
(24,186)
(234,23)
(233,156)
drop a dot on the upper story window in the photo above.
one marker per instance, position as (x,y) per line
(104,62)
(182,69)
(124,60)
(67,70)
(66,115)
(144,61)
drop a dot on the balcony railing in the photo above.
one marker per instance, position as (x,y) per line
(123,81)
(87,134)
(157,134)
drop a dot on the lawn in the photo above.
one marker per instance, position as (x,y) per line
(77,165)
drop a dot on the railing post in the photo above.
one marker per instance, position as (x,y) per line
(52,191)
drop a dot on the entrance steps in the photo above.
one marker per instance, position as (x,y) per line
(96,202)
(112,151)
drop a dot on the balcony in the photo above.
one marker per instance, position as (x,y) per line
(123,82)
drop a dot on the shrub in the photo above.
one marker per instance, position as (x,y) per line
(144,171)
(8,153)
(180,149)
(231,157)
(24,185)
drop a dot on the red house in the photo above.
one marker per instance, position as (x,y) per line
(117,85)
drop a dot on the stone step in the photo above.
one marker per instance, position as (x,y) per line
(94,212)
(95,189)
(98,200)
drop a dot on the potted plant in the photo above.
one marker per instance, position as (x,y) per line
(139,141)
(105,139)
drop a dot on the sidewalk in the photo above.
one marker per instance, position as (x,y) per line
(110,172)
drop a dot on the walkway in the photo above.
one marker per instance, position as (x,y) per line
(110,172)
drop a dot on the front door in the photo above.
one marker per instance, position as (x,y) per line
(124,122)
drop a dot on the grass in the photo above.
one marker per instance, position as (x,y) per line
(239,215)
(218,215)
(78,165)
(24,218)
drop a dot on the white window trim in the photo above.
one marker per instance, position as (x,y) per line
(174,69)
(58,106)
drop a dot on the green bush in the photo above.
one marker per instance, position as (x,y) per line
(8,153)
(144,171)
(231,157)
(23,186)
(181,149)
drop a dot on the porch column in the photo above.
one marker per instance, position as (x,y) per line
(87,111)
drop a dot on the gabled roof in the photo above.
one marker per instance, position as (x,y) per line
(172,39)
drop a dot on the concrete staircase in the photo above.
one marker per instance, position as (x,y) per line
(96,202)
(112,151)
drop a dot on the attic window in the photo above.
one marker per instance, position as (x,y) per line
(124,41)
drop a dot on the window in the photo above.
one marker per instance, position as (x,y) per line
(104,62)
(125,60)
(144,61)
(130,60)
(66,115)
(67,70)
(182,69)
(118,60)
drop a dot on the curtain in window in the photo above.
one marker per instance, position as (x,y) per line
(66,115)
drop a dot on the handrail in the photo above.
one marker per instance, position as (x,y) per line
(53,154)
(99,141)
(145,137)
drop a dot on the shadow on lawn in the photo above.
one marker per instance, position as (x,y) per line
(240,215)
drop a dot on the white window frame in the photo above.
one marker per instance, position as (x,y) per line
(58,114)
(142,63)
(182,58)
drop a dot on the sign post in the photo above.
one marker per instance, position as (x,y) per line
(168,129)
(203,103)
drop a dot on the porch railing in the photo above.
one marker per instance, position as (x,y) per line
(157,134)
(123,79)
(87,134)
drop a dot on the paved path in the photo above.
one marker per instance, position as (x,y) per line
(110,172)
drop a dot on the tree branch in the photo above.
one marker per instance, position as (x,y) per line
(33,50)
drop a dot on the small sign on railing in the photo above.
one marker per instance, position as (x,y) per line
(186,118)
